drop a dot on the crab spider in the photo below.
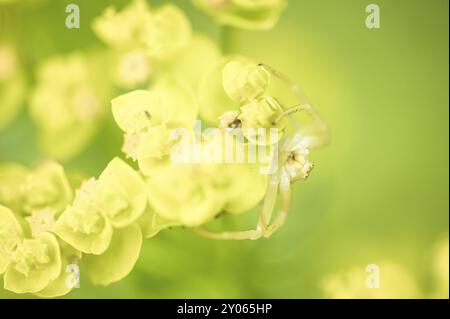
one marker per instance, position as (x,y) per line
(294,166)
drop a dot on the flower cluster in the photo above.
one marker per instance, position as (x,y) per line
(148,119)
(143,38)
(151,118)
(32,258)
(54,228)
(12,84)
(69,101)
(391,280)
(49,223)
(45,227)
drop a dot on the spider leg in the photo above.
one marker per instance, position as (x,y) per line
(231,235)
(285,202)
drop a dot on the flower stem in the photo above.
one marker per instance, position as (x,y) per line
(227,38)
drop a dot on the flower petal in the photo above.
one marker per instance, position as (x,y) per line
(120,258)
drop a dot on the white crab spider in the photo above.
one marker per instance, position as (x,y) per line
(293,165)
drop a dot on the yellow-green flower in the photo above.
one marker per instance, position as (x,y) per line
(244,14)
(244,82)
(12,179)
(154,148)
(125,29)
(118,261)
(243,185)
(143,38)
(68,102)
(102,222)
(394,282)
(34,264)
(12,85)
(136,111)
(161,32)
(237,178)
(115,200)
(134,68)
(203,191)
(212,98)
(83,227)
(11,235)
(41,221)
(196,199)
(263,113)
(223,84)
(66,281)
(120,194)
(168,33)
(178,101)
(148,119)
(46,187)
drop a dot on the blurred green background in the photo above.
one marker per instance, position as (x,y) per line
(379,192)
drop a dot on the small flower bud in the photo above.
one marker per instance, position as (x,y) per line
(259,116)
(244,82)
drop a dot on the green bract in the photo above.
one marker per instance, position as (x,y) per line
(35,263)
(243,82)
(168,32)
(240,179)
(119,259)
(136,111)
(120,194)
(244,14)
(178,102)
(66,280)
(12,178)
(239,182)
(81,225)
(151,223)
(149,117)
(234,95)
(47,187)
(153,148)
(265,113)
(10,236)
(155,143)
(195,201)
